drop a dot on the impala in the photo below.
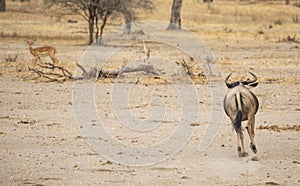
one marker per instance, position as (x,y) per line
(41,52)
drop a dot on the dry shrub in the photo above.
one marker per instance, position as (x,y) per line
(289,38)
(277,128)
(152,80)
(296,4)
(295,19)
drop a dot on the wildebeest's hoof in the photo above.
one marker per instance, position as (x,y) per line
(244,154)
(239,151)
(253,148)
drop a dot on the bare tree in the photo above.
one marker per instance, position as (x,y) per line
(130,10)
(104,11)
(2,6)
(208,3)
(175,20)
(86,8)
(94,11)
(287,2)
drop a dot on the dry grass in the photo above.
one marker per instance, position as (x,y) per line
(269,20)
(279,129)
(22,21)
(235,20)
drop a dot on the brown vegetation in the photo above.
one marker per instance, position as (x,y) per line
(277,128)
(41,143)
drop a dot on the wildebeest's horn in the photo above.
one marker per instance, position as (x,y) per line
(230,85)
(250,81)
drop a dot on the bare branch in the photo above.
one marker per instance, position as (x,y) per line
(146,68)
(186,67)
(64,71)
(57,73)
(49,76)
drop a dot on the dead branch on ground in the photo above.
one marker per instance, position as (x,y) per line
(64,71)
(95,73)
(199,77)
(186,67)
(58,73)
(141,68)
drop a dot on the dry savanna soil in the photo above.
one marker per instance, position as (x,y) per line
(43,141)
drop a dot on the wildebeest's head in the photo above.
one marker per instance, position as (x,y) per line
(251,83)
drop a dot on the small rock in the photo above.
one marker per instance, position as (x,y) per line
(134,141)
(107,163)
(72,21)
(254,158)
(271,183)
(25,122)
(78,137)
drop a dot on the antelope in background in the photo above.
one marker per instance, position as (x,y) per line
(240,104)
(41,52)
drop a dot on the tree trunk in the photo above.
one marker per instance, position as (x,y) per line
(91,31)
(97,30)
(287,2)
(91,24)
(92,8)
(102,28)
(2,6)
(127,28)
(208,3)
(175,20)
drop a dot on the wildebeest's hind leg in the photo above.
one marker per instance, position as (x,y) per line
(250,129)
(240,141)
(238,144)
(242,153)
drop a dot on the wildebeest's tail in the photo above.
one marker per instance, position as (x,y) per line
(238,121)
(237,124)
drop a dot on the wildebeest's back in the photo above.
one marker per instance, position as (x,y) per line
(249,101)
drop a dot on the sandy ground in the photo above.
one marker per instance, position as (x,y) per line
(42,143)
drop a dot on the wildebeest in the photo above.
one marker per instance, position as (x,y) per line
(240,104)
